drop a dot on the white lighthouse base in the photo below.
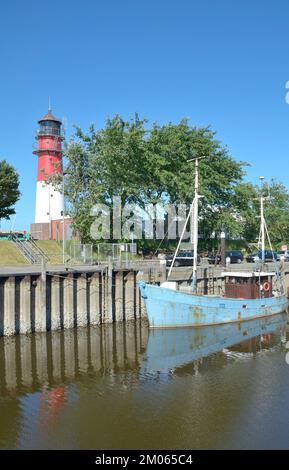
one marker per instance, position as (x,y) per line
(49,203)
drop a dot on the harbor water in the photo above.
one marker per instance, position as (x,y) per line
(123,386)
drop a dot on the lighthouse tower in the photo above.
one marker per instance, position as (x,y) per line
(49,202)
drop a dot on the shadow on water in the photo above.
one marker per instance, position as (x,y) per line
(53,383)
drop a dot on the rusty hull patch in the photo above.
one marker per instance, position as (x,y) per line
(196,313)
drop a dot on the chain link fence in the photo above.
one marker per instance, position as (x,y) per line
(81,253)
(116,252)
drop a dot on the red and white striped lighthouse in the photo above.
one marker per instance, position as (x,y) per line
(49,202)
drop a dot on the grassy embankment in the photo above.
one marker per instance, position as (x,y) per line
(9,255)
(52,249)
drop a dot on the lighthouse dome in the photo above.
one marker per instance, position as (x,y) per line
(49,117)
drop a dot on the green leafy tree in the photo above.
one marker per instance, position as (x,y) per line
(101,164)
(151,164)
(171,149)
(9,189)
(276,211)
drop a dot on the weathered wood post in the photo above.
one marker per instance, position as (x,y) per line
(40,300)
(141,310)
(108,310)
(82,313)
(94,299)
(25,305)
(68,307)
(130,296)
(55,303)
(9,306)
(119,296)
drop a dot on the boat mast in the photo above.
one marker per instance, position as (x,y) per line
(195,226)
(262,220)
(195,232)
(263,233)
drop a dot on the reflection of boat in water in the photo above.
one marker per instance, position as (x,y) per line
(171,348)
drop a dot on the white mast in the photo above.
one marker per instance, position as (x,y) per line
(262,220)
(195,226)
(194,210)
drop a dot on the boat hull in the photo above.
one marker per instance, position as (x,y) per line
(167,308)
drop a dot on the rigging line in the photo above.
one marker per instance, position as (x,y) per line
(257,263)
(259,239)
(164,237)
(274,260)
(181,237)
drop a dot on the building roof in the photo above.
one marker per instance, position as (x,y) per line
(49,117)
(247,274)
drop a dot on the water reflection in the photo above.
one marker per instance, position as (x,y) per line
(123,386)
(29,362)
(168,349)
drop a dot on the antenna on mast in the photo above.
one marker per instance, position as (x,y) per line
(49,104)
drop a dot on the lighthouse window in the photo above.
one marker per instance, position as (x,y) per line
(50,127)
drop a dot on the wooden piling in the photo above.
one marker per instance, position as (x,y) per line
(25,305)
(82,312)
(95,293)
(55,303)
(108,312)
(130,285)
(119,314)
(9,306)
(68,304)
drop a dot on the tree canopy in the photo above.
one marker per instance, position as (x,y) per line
(276,210)
(9,189)
(147,164)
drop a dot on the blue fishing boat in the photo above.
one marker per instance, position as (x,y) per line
(168,307)
(247,295)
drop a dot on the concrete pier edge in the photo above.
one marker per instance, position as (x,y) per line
(46,300)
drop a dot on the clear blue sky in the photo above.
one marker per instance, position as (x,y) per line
(218,62)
